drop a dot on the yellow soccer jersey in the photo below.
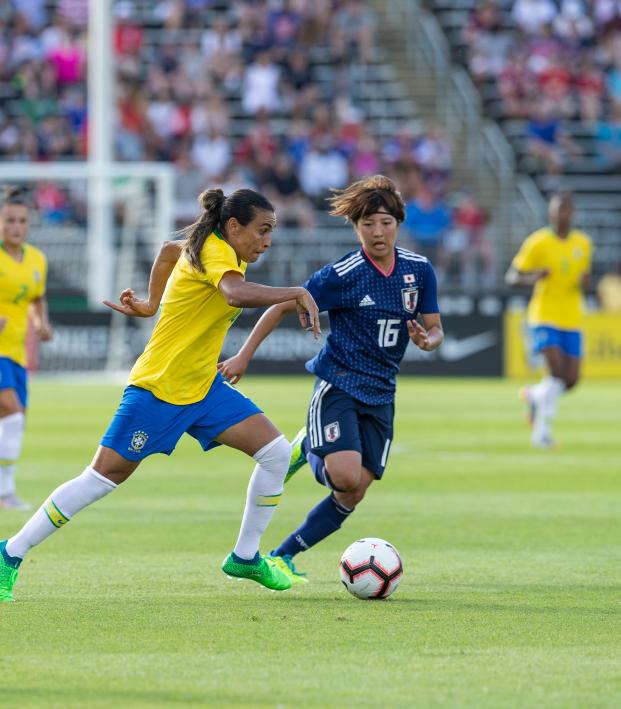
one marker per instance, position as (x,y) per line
(21,282)
(556,299)
(178,364)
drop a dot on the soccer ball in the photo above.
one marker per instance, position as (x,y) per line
(371,568)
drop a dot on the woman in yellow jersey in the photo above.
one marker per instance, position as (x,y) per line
(175,388)
(556,260)
(23,270)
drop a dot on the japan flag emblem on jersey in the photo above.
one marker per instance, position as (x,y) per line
(409,278)
(410,298)
(332,432)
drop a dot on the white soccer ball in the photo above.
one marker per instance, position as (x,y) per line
(371,568)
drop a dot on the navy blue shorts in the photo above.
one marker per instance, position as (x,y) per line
(14,376)
(568,341)
(144,424)
(338,422)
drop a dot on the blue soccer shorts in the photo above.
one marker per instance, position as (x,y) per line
(338,422)
(144,424)
(14,376)
(568,341)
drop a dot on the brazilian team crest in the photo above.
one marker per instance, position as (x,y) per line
(410,298)
(332,432)
(138,441)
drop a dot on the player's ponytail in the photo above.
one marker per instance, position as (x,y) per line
(211,202)
(366,197)
(217,210)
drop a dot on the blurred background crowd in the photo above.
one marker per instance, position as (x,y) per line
(245,93)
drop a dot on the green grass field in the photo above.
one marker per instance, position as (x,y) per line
(511,595)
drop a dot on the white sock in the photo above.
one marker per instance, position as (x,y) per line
(11,438)
(66,501)
(546,396)
(264,491)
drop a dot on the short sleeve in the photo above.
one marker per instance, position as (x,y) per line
(325,287)
(429,296)
(219,258)
(527,258)
(43,278)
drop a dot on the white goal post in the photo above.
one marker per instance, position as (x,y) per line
(101,262)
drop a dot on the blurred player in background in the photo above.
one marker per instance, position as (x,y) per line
(373,296)
(23,272)
(174,387)
(556,260)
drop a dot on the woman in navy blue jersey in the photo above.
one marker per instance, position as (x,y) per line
(373,296)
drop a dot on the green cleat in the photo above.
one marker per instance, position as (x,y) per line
(298,457)
(286,565)
(8,573)
(262,572)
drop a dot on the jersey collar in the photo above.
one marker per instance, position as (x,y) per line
(388,273)
(22,253)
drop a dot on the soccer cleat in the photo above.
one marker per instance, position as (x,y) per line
(544,441)
(531,409)
(298,457)
(12,502)
(286,565)
(8,574)
(262,572)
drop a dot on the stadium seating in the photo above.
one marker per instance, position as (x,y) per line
(594,180)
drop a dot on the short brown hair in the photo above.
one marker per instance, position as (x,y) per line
(366,197)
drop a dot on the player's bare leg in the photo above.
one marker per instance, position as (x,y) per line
(12,419)
(107,470)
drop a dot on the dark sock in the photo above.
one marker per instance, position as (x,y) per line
(322,520)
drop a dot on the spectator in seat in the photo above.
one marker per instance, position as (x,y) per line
(547,140)
(531,16)
(613,84)
(516,85)
(427,221)
(467,244)
(488,43)
(321,169)
(573,25)
(299,90)
(589,83)
(284,25)
(282,187)
(260,86)
(258,148)
(352,32)
(608,140)
(212,153)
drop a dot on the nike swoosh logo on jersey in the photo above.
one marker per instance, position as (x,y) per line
(453,349)
(367,300)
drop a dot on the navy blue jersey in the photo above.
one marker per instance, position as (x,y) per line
(368,312)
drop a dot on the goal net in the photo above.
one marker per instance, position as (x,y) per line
(100,230)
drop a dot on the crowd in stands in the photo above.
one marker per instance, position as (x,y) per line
(553,61)
(229,93)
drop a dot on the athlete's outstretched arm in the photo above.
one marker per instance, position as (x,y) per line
(428,336)
(242,294)
(163,265)
(235,367)
(513,277)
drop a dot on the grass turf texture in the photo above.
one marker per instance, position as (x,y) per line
(510,596)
